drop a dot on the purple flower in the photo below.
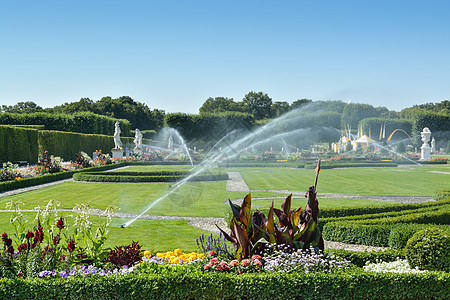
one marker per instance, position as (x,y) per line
(63,274)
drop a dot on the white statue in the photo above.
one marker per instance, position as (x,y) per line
(138,139)
(433,145)
(170,143)
(117,142)
(425,148)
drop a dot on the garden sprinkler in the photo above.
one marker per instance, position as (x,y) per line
(122,226)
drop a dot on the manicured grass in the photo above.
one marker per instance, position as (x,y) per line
(323,203)
(154,168)
(202,199)
(405,180)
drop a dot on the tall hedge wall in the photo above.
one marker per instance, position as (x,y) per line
(66,144)
(18,144)
(439,125)
(82,122)
(374,125)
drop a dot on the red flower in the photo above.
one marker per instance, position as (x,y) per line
(10,250)
(4,237)
(245,263)
(22,247)
(207,266)
(258,263)
(256,256)
(212,253)
(20,274)
(234,263)
(56,240)
(60,223)
(214,261)
(29,235)
(71,246)
(225,265)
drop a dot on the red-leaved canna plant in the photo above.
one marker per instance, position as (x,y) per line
(295,229)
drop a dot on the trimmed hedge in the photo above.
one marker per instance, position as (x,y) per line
(350,285)
(82,122)
(439,195)
(331,165)
(394,236)
(27,182)
(371,209)
(106,177)
(18,144)
(360,258)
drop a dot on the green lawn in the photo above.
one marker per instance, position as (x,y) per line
(405,180)
(210,198)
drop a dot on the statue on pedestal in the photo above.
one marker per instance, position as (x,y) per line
(425,148)
(170,143)
(138,139)
(117,142)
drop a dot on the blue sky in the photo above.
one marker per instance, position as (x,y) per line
(173,55)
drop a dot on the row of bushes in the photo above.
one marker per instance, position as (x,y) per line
(372,209)
(18,144)
(394,236)
(106,177)
(81,122)
(24,144)
(350,285)
(331,165)
(31,181)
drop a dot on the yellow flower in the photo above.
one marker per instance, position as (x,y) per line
(160,254)
(177,251)
(147,254)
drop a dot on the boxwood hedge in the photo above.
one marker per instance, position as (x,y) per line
(350,285)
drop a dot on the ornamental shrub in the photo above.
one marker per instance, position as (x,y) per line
(429,249)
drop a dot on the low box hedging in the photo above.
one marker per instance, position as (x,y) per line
(352,285)
(362,210)
(375,218)
(331,165)
(359,258)
(106,177)
(27,182)
(394,236)
(439,195)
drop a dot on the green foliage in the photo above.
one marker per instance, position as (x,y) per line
(66,144)
(195,285)
(81,122)
(360,258)
(250,233)
(400,147)
(353,113)
(258,104)
(429,249)
(126,255)
(438,123)
(375,124)
(442,194)
(18,144)
(26,182)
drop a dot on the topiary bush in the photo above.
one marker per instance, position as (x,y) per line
(429,249)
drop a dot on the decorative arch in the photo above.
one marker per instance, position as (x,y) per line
(389,138)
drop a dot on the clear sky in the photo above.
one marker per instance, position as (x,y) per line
(173,55)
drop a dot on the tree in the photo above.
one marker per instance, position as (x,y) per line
(299,103)
(22,107)
(279,108)
(258,104)
(400,147)
(355,112)
(217,105)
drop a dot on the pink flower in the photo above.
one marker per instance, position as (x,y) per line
(219,268)
(214,261)
(234,263)
(225,265)
(245,263)
(256,256)
(212,253)
(207,266)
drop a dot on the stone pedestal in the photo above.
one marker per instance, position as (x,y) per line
(425,152)
(117,153)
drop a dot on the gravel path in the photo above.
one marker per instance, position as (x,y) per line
(236,183)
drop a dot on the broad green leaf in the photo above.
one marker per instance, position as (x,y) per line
(270,225)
